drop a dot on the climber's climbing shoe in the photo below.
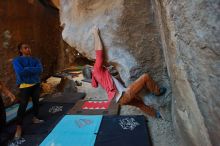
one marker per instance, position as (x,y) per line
(162,91)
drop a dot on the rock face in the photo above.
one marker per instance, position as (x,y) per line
(190,35)
(128,30)
(69,56)
(67,86)
(136,32)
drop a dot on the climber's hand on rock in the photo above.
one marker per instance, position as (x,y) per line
(95,30)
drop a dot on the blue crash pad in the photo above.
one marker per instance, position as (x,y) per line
(74,130)
(11,112)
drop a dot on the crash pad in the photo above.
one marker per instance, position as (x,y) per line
(78,130)
(123,131)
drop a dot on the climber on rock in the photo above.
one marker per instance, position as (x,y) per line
(27,70)
(125,96)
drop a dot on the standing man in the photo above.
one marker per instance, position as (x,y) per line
(7,93)
(125,96)
(28,70)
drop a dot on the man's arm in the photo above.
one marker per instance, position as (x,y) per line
(98,48)
(6,92)
(38,69)
(19,69)
(98,42)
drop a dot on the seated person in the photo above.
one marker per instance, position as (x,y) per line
(125,96)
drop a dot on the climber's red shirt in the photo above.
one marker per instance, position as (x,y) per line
(102,76)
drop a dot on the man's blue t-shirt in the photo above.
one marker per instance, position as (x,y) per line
(27,69)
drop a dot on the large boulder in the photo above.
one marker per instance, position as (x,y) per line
(128,31)
(190,35)
(189,31)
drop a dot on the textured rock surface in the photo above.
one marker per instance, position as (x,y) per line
(67,85)
(128,30)
(69,56)
(190,35)
(189,32)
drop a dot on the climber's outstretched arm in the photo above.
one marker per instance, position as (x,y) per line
(98,47)
(98,42)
